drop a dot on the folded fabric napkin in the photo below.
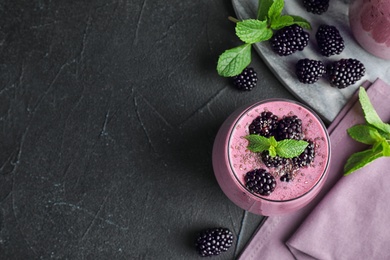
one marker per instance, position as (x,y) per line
(349,218)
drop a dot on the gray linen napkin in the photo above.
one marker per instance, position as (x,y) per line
(348,222)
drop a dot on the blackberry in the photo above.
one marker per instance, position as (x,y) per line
(289,39)
(305,158)
(316,6)
(290,127)
(309,71)
(213,241)
(260,181)
(270,161)
(264,125)
(246,80)
(345,72)
(329,40)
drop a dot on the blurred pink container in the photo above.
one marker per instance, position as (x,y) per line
(370,24)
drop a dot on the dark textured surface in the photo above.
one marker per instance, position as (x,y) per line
(108,112)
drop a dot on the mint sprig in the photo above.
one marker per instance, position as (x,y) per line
(287,148)
(252,31)
(375,133)
(269,18)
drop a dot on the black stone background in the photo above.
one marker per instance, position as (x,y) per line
(108,113)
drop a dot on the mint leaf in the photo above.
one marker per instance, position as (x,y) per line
(233,61)
(287,148)
(301,22)
(262,9)
(251,31)
(258,143)
(360,159)
(275,10)
(375,133)
(365,134)
(290,148)
(386,148)
(272,151)
(273,141)
(370,114)
(282,21)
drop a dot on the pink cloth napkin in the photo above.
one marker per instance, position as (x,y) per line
(350,218)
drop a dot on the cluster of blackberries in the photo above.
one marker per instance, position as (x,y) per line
(341,73)
(290,39)
(268,124)
(293,38)
(289,127)
(213,241)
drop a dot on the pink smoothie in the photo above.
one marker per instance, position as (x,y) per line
(232,160)
(370,24)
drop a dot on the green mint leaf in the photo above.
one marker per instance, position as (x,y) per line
(290,148)
(360,159)
(272,151)
(258,143)
(384,134)
(375,133)
(275,10)
(370,114)
(233,61)
(301,22)
(273,141)
(386,148)
(365,134)
(282,21)
(263,8)
(252,31)
(287,148)
(385,128)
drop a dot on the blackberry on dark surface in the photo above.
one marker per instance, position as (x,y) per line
(345,72)
(329,40)
(264,125)
(213,241)
(316,6)
(246,80)
(260,181)
(270,161)
(309,71)
(289,39)
(289,127)
(305,158)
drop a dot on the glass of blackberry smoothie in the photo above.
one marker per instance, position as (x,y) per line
(264,184)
